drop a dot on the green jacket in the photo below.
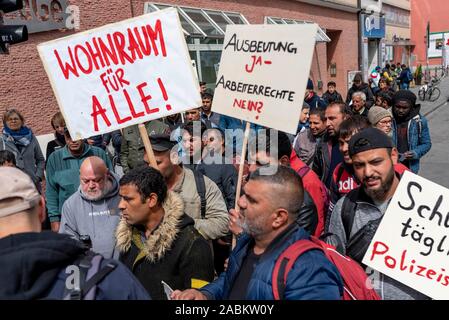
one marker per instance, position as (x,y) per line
(63,177)
(130,155)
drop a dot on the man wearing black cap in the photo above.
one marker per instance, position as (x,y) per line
(213,223)
(412,131)
(356,217)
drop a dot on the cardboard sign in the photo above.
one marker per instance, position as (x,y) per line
(411,244)
(121,74)
(263,73)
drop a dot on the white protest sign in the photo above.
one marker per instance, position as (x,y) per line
(411,244)
(121,74)
(263,73)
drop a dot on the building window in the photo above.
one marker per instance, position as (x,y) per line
(321,34)
(205,30)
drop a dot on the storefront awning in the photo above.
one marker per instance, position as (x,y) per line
(201,23)
(321,35)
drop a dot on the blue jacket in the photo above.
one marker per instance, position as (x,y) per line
(312,277)
(316,102)
(419,141)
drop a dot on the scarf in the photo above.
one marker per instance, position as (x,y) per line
(20,138)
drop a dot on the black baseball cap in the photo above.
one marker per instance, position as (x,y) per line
(369,139)
(160,142)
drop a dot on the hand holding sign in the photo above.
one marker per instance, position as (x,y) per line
(411,244)
(263,73)
(121,74)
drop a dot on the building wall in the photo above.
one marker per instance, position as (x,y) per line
(26,86)
(435,11)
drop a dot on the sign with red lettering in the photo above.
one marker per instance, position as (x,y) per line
(121,74)
(263,73)
(411,244)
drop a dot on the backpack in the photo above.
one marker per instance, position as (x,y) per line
(356,284)
(90,275)
(201,190)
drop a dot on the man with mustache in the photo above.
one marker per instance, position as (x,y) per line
(93,210)
(356,217)
(270,206)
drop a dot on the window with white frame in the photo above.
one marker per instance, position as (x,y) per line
(321,35)
(205,30)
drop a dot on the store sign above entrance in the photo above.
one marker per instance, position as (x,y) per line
(373,26)
(43,15)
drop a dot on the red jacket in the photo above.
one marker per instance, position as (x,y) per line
(315,187)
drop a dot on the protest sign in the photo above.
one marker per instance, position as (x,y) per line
(263,73)
(121,74)
(411,244)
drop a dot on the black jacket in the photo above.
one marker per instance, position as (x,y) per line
(33,266)
(332,97)
(174,253)
(363,88)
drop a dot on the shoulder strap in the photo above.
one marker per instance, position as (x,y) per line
(90,276)
(285,263)
(201,189)
(348,213)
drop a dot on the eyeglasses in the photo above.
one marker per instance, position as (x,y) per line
(385,123)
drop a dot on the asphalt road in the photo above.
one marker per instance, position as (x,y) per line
(435,164)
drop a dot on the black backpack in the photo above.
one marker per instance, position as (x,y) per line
(358,244)
(90,275)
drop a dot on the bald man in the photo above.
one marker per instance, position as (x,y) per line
(92,212)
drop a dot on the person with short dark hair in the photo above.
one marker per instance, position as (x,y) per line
(332,95)
(327,154)
(354,224)
(156,239)
(270,206)
(21,141)
(7,159)
(37,265)
(206,113)
(58,124)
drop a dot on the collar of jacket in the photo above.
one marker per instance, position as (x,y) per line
(161,239)
(178,187)
(67,155)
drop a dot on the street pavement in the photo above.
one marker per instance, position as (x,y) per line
(435,164)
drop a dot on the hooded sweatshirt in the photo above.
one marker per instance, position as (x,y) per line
(34,265)
(98,219)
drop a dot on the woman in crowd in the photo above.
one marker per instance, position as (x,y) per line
(20,140)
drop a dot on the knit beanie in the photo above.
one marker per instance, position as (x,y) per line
(404,95)
(376,114)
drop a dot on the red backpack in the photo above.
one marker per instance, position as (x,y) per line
(355,281)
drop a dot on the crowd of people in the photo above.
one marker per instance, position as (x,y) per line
(134,230)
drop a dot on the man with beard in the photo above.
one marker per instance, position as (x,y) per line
(270,205)
(63,167)
(93,210)
(307,140)
(412,136)
(328,155)
(357,215)
(157,239)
